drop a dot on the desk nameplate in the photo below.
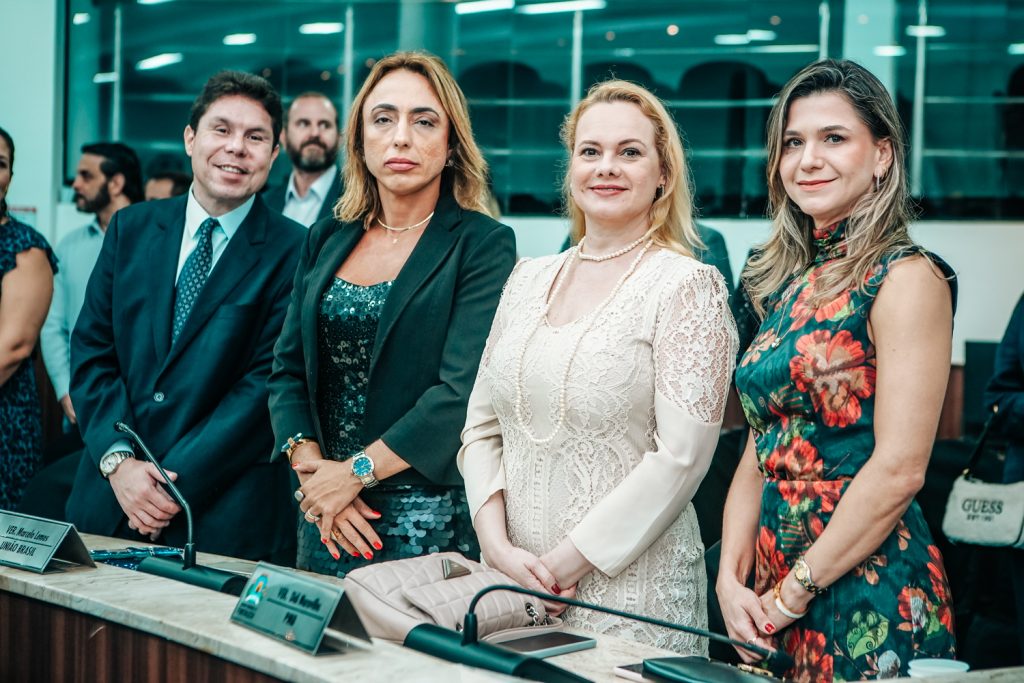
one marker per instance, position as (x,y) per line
(32,543)
(295,609)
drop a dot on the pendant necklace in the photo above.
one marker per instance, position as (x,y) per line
(397,232)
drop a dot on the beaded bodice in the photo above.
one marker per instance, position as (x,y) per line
(347,326)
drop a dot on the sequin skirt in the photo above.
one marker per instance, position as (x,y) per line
(415,520)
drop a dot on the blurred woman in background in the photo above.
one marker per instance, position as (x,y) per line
(27,266)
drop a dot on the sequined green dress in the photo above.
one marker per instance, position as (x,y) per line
(415,519)
(807,386)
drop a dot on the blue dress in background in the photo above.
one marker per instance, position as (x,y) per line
(21,430)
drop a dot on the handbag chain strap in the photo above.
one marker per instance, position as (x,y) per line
(979,445)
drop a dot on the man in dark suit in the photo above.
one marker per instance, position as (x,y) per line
(310,137)
(1006,390)
(176,339)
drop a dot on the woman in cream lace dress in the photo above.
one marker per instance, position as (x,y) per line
(601,391)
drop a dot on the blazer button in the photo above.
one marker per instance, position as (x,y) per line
(158,397)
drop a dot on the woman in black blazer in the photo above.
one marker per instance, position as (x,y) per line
(392,304)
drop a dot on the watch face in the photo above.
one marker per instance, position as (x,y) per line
(362,466)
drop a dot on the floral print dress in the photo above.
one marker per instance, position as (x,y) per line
(807,386)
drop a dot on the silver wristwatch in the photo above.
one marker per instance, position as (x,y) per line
(111,461)
(362,467)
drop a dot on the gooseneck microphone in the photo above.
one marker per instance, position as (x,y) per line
(187,570)
(465,648)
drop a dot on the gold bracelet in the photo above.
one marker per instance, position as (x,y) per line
(781,605)
(292,444)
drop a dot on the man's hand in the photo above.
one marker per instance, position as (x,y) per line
(136,485)
(69,409)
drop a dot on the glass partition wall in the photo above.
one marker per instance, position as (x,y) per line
(956,69)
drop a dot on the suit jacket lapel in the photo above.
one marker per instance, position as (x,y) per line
(163,255)
(335,250)
(239,257)
(330,199)
(428,255)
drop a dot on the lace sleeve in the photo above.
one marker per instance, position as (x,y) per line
(695,346)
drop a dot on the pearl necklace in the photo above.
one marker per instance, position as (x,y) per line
(615,254)
(397,231)
(593,315)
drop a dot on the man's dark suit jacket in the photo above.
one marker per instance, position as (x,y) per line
(429,340)
(1006,388)
(201,403)
(274,197)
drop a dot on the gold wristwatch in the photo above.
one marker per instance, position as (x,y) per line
(802,573)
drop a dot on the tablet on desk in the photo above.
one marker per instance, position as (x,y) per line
(549,644)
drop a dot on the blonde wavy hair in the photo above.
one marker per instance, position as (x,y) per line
(467,171)
(879,221)
(671,213)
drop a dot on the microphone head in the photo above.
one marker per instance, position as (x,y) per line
(121,426)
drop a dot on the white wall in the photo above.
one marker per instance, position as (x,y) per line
(32,85)
(987,256)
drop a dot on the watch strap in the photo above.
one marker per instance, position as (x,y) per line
(111,461)
(802,573)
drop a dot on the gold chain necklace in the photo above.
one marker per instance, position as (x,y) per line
(396,232)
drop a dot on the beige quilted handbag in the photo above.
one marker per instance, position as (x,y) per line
(394,597)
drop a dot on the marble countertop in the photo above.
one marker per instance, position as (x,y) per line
(199,619)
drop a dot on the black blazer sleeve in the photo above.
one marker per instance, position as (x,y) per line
(98,392)
(428,436)
(289,397)
(1007,384)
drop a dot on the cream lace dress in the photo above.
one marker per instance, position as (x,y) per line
(645,398)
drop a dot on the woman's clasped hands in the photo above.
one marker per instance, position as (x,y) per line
(329,494)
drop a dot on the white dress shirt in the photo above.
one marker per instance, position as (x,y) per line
(305,210)
(194,217)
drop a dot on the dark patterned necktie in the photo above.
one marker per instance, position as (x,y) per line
(193,276)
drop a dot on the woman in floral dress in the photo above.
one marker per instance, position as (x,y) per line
(842,387)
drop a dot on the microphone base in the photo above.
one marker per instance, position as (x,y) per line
(198,575)
(447,645)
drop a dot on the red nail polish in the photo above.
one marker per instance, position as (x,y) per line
(376,513)
(295,466)
(769,628)
(324,541)
(336,555)
(355,554)
(377,545)
(555,588)
(368,556)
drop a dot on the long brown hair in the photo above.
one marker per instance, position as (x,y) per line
(878,222)
(467,169)
(671,214)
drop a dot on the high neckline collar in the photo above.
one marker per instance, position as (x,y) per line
(830,241)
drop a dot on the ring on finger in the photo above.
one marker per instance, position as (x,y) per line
(299,495)
(751,641)
(311,518)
